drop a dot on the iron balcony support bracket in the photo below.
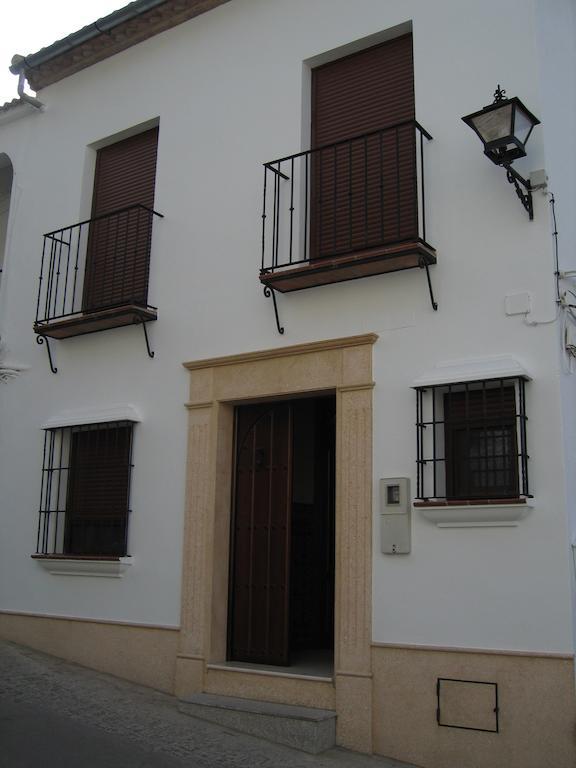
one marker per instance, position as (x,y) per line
(424,265)
(44,340)
(41,339)
(524,197)
(271,292)
(143,323)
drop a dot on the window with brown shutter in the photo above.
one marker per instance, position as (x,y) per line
(471,441)
(94,274)
(354,205)
(481,444)
(85,492)
(364,191)
(118,258)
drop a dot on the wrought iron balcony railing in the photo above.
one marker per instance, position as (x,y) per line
(98,265)
(346,210)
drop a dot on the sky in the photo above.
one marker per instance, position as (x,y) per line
(28,26)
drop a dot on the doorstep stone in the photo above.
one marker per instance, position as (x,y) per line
(310,730)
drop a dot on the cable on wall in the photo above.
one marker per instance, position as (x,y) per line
(565,298)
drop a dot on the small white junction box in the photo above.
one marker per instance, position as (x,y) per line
(395,516)
(518,303)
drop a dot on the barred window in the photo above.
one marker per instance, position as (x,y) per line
(84,503)
(471,440)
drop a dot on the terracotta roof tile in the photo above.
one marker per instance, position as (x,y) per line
(8,105)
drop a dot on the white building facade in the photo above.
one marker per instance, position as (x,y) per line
(371,512)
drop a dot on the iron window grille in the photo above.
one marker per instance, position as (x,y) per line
(85,492)
(471,441)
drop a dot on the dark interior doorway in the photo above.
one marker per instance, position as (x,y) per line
(282,553)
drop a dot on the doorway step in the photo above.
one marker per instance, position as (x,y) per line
(305,728)
(265,684)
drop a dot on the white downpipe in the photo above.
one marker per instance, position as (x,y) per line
(32,100)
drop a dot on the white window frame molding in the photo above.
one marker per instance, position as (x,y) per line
(473,369)
(94,415)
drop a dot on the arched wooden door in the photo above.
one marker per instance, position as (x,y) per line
(260,565)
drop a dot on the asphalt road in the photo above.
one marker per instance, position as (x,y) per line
(59,715)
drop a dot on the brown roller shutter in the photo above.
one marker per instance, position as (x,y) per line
(479,404)
(363,92)
(481,443)
(364,192)
(119,245)
(98,488)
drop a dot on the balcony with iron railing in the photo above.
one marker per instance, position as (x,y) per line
(94,274)
(346,210)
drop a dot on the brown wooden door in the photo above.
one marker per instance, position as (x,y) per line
(118,253)
(260,564)
(364,191)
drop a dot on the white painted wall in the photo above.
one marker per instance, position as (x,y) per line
(557,45)
(227,87)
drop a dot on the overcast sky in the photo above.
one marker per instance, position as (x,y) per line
(28,25)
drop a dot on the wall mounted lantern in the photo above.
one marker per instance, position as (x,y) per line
(504,127)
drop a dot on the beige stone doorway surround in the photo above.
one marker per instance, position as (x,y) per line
(344,367)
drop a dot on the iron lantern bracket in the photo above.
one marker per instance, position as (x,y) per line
(519,182)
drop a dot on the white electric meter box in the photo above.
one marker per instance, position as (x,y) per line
(395,516)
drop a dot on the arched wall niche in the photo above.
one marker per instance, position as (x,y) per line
(6,178)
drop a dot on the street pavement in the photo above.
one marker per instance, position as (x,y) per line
(59,715)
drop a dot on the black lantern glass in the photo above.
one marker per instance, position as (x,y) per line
(503,127)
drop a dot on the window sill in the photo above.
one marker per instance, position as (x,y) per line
(489,513)
(78,565)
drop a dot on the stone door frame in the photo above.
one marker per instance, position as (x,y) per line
(344,367)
